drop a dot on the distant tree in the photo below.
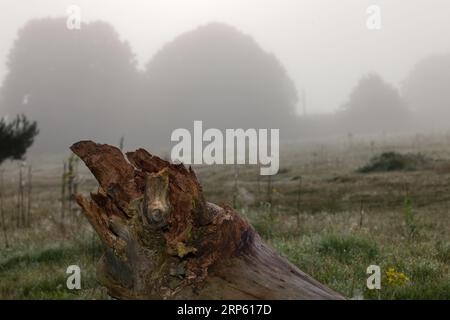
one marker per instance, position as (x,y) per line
(16,137)
(217,74)
(374,106)
(76,84)
(427,90)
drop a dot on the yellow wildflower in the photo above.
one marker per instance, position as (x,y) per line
(395,278)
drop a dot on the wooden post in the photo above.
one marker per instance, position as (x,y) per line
(2,212)
(63,191)
(70,177)
(361,214)
(269,194)
(29,196)
(258,181)
(20,199)
(235,186)
(299,190)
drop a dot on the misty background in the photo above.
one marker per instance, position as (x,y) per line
(141,69)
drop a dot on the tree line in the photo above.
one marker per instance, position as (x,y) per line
(85,84)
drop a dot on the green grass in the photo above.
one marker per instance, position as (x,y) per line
(347,248)
(41,274)
(341,262)
(339,256)
(405,223)
(320,246)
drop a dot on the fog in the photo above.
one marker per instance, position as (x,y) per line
(306,67)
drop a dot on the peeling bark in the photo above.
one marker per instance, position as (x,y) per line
(165,241)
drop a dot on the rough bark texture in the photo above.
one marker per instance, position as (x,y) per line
(164,241)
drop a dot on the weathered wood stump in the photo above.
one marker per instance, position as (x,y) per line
(164,241)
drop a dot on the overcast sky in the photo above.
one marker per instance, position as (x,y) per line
(324,44)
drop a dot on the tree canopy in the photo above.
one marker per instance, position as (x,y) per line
(81,84)
(219,75)
(16,137)
(374,106)
(75,83)
(426,89)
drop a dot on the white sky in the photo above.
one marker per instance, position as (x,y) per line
(324,44)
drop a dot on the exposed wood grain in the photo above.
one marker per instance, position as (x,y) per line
(165,241)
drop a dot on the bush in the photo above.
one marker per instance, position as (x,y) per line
(393,161)
(16,137)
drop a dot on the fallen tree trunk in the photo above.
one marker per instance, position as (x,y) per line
(164,241)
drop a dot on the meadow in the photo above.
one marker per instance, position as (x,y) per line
(320,211)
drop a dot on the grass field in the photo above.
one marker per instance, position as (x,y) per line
(319,212)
